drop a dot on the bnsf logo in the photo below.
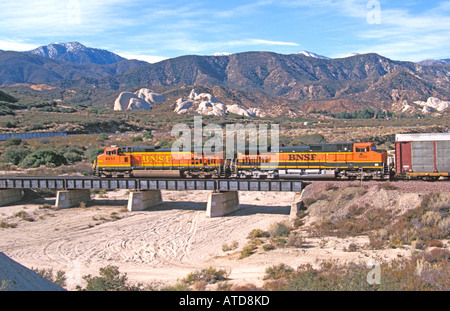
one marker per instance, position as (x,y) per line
(302,157)
(160,159)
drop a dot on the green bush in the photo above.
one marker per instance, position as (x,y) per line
(210,275)
(15,155)
(73,154)
(136,139)
(13,141)
(59,278)
(278,271)
(93,153)
(46,157)
(148,135)
(110,279)
(102,137)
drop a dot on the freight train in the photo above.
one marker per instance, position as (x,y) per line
(425,156)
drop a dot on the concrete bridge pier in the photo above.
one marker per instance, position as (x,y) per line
(297,205)
(142,200)
(72,198)
(9,196)
(222,203)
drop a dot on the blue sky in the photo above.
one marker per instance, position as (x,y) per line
(155,30)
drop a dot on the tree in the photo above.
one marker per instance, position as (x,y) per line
(15,155)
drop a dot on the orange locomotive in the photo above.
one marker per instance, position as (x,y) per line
(337,160)
(151,161)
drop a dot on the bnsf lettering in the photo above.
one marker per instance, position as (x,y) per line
(159,159)
(302,157)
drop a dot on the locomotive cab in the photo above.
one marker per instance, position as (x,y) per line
(114,161)
(373,159)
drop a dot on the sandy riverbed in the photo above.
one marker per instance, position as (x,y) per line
(166,243)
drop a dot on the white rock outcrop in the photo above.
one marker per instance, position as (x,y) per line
(208,104)
(143,99)
(433,103)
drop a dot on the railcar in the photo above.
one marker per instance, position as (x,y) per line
(425,156)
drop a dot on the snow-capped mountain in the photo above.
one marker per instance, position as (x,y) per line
(350,55)
(221,54)
(311,54)
(76,52)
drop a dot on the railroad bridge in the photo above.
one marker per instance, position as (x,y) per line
(146,193)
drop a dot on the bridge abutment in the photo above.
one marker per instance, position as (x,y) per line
(222,203)
(72,198)
(142,200)
(9,196)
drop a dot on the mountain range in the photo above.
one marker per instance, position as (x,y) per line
(303,81)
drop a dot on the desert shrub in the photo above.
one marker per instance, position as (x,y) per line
(430,218)
(148,135)
(435,243)
(279,229)
(232,246)
(164,144)
(73,154)
(209,275)
(430,271)
(268,247)
(429,221)
(24,215)
(352,248)
(295,240)
(278,271)
(72,157)
(59,278)
(136,139)
(388,186)
(13,141)
(6,225)
(46,157)
(248,249)
(437,255)
(257,233)
(102,137)
(110,279)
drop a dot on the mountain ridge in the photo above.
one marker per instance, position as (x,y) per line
(76,52)
(297,80)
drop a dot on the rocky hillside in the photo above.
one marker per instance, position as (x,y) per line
(18,67)
(349,83)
